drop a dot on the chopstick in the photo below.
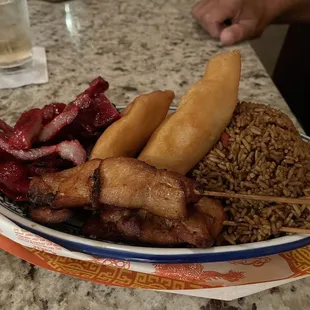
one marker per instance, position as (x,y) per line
(293,230)
(288,200)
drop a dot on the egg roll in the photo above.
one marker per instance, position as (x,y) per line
(128,135)
(203,113)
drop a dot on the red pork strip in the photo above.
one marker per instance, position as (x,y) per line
(106,113)
(63,119)
(31,154)
(82,101)
(96,110)
(98,85)
(70,150)
(26,130)
(52,110)
(7,129)
(13,180)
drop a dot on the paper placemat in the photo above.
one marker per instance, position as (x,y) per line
(35,74)
(212,280)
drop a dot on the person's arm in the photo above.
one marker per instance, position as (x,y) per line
(293,11)
(249,17)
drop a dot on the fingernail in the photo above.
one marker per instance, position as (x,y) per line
(227,37)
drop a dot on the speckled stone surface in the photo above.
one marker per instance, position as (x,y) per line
(25,287)
(138,46)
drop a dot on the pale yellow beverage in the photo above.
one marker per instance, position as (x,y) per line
(15,38)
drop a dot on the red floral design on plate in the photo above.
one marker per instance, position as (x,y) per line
(255,262)
(195,272)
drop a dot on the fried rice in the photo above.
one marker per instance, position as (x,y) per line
(260,152)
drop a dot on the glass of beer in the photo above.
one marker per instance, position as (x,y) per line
(15,36)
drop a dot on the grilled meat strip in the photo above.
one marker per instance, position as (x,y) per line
(66,189)
(133,184)
(213,213)
(136,202)
(46,215)
(94,227)
(200,229)
(122,182)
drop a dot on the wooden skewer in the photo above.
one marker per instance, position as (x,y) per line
(288,200)
(293,230)
(297,201)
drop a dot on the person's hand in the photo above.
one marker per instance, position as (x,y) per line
(248,18)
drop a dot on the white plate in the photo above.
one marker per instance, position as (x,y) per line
(67,235)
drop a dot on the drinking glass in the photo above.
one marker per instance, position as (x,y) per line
(15,36)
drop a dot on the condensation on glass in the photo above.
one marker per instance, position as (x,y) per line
(15,36)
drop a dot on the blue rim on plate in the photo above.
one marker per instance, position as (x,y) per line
(153,254)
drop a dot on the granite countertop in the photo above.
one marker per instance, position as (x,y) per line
(138,46)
